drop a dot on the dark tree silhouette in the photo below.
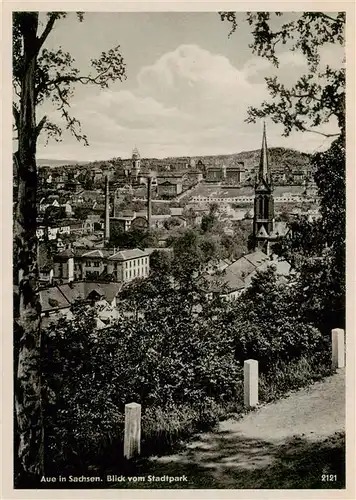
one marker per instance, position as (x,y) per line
(39,74)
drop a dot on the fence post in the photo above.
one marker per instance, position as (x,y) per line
(338,347)
(132,440)
(250,383)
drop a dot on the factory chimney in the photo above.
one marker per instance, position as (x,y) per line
(107,212)
(149,201)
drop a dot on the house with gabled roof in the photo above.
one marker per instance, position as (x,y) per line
(57,301)
(101,265)
(233,279)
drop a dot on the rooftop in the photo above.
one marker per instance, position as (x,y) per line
(129,254)
(239,274)
(52,299)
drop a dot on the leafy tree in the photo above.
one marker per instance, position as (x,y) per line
(269,326)
(53,213)
(81,213)
(171,222)
(210,221)
(160,261)
(317,97)
(319,94)
(160,209)
(134,238)
(39,75)
(305,239)
(170,358)
(322,283)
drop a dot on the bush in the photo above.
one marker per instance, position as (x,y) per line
(267,325)
(181,359)
(180,370)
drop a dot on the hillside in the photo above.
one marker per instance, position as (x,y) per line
(281,159)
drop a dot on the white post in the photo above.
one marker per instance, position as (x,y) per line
(250,383)
(338,347)
(132,440)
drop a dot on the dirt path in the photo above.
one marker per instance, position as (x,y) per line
(287,444)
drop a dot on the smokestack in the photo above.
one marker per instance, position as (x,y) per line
(149,201)
(107,214)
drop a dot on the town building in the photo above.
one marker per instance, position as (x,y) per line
(233,278)
(57,301)
(169,187)
(77,264)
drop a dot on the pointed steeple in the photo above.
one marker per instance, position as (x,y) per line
(264,170)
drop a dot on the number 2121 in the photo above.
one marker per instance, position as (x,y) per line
(329,477)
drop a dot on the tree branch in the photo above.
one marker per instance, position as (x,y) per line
(40,125)
(68,79)
(333,19)
(319,133)
(46,31)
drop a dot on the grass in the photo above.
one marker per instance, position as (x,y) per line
(287,377)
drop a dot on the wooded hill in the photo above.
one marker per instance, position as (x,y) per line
(279,158)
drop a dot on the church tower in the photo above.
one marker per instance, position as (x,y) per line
(136,163)
(263,218)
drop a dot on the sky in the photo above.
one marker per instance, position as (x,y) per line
(187,90)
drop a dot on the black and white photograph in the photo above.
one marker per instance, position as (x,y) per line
(179,249)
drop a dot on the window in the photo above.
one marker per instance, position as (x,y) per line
(96,264)
(130,274)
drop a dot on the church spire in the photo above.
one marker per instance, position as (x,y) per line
(264,170)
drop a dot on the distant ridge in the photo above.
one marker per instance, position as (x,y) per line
(58,163)
(277,156)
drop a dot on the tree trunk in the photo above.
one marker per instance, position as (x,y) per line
(28,382)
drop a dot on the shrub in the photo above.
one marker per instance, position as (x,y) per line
(181,370)
(268,327)
(181,359)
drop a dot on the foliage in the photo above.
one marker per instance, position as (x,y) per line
(317,249)
(317,95)
(171,222)
(56,76)
(210,221)
(160,209)
(39,75)
(134,238)
(160,262)
(194,248)
(160,361)
(305,239)
(52,213)
(181,358)
(268,324)
(81,213)
(290,376)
